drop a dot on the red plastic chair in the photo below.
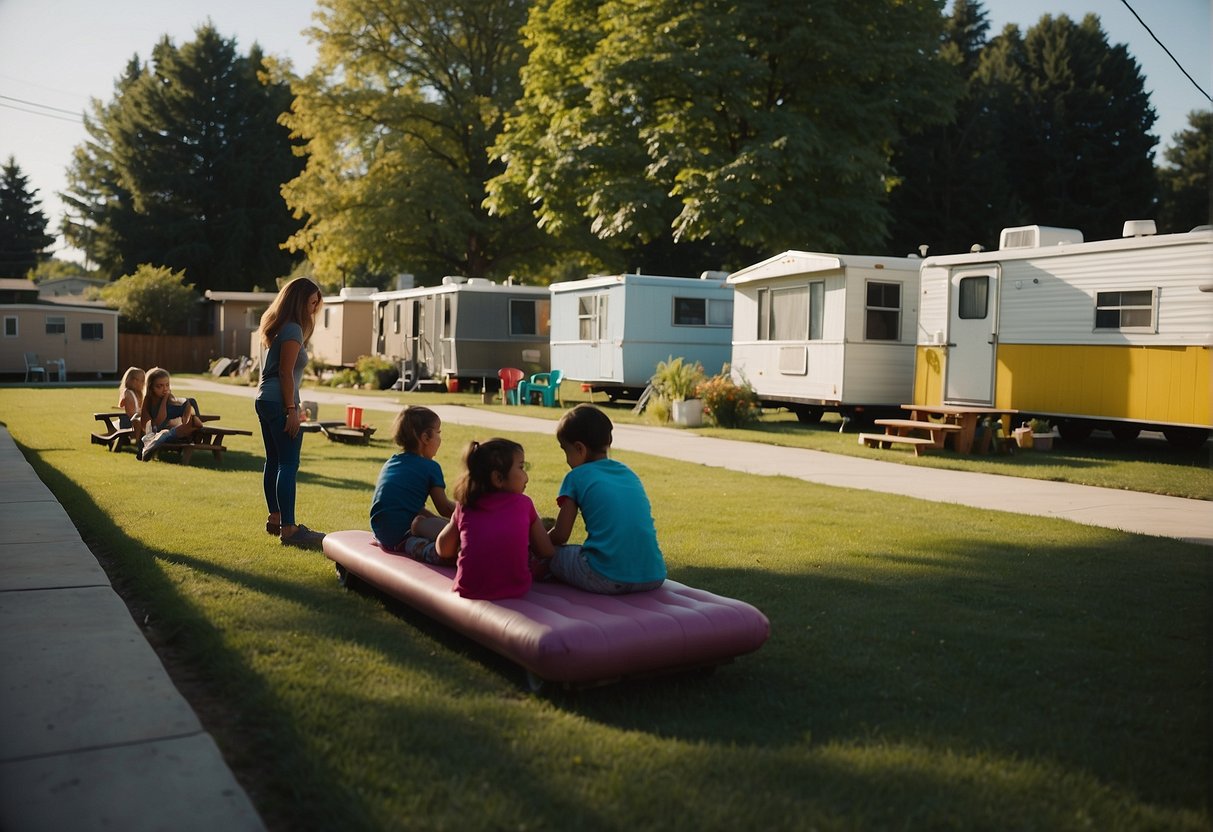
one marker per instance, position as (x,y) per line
(510,377)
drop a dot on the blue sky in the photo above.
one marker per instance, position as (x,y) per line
(57,54)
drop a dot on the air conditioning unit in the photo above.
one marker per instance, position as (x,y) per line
(1037,236)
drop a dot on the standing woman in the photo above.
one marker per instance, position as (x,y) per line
(285,328)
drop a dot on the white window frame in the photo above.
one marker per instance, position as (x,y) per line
(100,325)
(1106,303)
(593,319)
(868,309)
(16,322)
(769,300)
(56,325)
(713,308)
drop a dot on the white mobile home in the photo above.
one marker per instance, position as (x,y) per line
(464,330)
(1109,333)
(815,332)
(69,339)
(611,331)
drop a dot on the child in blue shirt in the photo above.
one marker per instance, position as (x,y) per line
(620,553)
(399,518)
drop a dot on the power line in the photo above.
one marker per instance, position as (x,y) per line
(41,106)
(1165,49)
(76,120)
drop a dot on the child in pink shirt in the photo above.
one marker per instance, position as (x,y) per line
(494,525)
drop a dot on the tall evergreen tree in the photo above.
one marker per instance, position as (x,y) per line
(1186,181)
(751,125)
(951,190)
(397,116)
(1073,122)
(185,166)
(23,237)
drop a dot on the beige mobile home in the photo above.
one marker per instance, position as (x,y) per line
(815,332)
(343,332)
(78,339)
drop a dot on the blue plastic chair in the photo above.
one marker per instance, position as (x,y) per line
(546,385)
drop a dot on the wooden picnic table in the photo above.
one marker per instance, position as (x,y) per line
(206,438)
(966,417)
(906,432)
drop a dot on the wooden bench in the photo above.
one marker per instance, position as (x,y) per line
(114,438)
(345,433)
(885,440)
(937,431)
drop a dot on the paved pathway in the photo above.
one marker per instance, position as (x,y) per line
(1131,511)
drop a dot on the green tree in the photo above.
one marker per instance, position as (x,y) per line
(23,237)
(1186,182)
(1073,120)
(54,268)
(184,168)
(153,300)
(397,116)
(951,191)
(748,126)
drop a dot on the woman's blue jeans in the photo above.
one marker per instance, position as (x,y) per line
(281,460)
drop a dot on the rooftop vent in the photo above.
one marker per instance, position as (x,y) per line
(453,280)
(1139,228)
(1037,236)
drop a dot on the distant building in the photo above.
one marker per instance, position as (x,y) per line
(79,338)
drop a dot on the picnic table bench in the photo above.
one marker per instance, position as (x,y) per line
(905,432)
(207,438)
(115,437)
(338,431)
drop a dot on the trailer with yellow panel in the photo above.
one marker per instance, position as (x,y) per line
(1113,334)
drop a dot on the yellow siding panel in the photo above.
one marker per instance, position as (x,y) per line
(1168,384)
(928,375)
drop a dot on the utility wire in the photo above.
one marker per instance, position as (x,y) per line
(76,120)
(40,106)
(1168,51)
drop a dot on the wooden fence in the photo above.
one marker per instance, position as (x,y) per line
(175,353)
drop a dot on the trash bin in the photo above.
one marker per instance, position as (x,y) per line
(353,416)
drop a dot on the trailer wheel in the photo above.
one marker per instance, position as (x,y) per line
(1074,431)
(1186,439)
(809,414)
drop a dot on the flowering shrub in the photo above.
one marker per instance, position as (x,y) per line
(728,403)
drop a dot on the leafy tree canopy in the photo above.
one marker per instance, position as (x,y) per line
(154,300)
(754,125)
(397,116)
(23,237)
(184,168)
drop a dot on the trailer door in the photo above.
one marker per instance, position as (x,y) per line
(972,336)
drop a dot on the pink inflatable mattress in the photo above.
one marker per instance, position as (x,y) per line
(561,634)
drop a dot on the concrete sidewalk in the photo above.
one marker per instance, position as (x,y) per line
(93,733)
(1130,511)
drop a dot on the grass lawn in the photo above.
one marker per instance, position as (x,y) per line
(930,666)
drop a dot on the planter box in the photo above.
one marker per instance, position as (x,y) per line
(688,412)
(1042,441)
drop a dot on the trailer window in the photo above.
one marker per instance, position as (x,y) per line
(974,297)
(92,332)
(529,317)
(783,314)
(396,317)
(1125,310)
(327,310)
(702,312)
(592,317)
(883,312)
(55,325)
(10,326)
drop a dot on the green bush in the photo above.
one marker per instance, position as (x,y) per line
(727,403)
(676,380)
(376,372)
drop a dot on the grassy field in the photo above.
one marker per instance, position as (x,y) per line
(942,669)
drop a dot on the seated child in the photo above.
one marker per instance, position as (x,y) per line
(494,525)
(399,519)
(163,416)
(620,553)
(130,398)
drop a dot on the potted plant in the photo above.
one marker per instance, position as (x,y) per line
(676,381)
(1042,434)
